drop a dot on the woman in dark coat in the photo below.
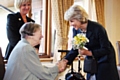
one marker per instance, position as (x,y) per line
(98,47)
(15,21)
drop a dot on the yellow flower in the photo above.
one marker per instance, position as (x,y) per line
(79,41)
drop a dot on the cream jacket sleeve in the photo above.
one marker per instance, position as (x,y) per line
(33,64)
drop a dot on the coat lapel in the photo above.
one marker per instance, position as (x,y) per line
(88,34)
(89,30)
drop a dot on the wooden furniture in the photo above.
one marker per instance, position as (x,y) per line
(118,49)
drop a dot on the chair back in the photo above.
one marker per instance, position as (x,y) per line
(118,50)
(2,66)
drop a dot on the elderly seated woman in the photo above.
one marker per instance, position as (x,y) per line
(24,63)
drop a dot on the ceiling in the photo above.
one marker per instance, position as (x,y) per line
(7,3)
(10,3)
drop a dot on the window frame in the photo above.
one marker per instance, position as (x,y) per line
(46,25)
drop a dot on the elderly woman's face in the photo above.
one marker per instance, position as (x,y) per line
(37,36)
(75,23)
(25,7)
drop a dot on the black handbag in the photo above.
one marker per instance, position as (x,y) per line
(73,75)
(90,65)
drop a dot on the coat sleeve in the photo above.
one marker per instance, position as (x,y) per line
(99,43)
(12,29)
(73,53)
(33,64)
(71,56)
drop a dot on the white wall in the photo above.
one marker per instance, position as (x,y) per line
(112,21)
(3,35)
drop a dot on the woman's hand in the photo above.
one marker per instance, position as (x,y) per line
(85,52)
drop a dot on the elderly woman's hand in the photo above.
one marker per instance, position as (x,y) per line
(62,65)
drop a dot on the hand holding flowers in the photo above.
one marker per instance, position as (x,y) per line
(85,52)
(79,42)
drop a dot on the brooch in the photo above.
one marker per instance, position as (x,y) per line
(19,19)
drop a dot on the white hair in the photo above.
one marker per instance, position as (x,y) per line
(76,12)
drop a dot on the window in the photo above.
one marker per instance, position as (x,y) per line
(39,13)
(42,15)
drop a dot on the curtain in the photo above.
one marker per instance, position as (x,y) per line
(99,5)
(61,26)
(91,10)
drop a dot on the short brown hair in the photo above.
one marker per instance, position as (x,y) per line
(28,29)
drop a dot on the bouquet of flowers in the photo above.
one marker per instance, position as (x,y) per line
(79,41)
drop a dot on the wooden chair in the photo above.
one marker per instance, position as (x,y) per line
(118,50)
(2,66)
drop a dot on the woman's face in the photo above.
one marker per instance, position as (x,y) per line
(25,8)
(75,23)
(37,36)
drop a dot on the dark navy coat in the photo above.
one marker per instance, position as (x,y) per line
(14,23)
(102,50)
